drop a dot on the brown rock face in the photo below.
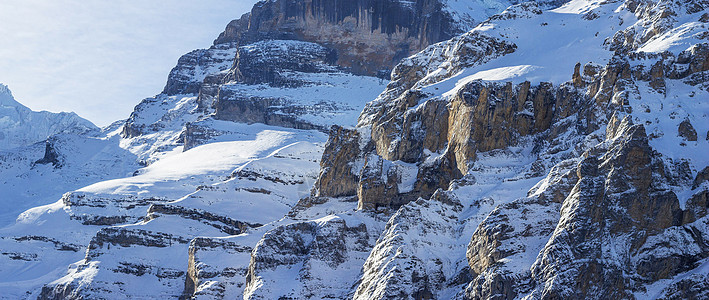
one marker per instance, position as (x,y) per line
(377,184)
(337,177)
(576,78)
(480,117)
(619,192)
(657,76)
(702,176)
(200,273)
(414,127)
(484,118)
(443,135)
(368,35)
(446,134)
(436,175)
(619,209)
(697,207)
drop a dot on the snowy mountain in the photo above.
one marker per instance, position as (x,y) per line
(43,155)
(536,150)
(20,126)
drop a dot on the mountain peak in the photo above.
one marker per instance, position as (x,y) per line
(20,126)
(6,98)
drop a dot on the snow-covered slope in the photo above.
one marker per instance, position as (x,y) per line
(556,150)
(162,208)
(40,173)
(43,155)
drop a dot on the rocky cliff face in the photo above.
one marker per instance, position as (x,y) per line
(261,48)
(368,36)
(364,37)
(276,64)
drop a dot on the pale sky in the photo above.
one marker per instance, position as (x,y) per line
(99,58)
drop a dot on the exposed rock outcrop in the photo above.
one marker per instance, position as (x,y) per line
(50,155)
(686,130)
(308,248)
(621,189)
(338,177)
(367,37)
(702,176)
(393,270)
(271,61)
(192,68)
(480,117)
(223,223)
(92,209)
(205,279)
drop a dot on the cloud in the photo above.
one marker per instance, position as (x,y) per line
(100,58)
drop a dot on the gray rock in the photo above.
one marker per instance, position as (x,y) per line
(686,130)
(50,155)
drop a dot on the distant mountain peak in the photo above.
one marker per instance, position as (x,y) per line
(20,126)
(6,98)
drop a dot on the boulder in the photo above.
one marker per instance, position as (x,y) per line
(686,130)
